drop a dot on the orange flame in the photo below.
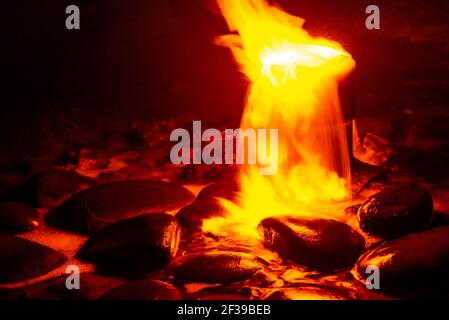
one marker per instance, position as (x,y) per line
(293,88)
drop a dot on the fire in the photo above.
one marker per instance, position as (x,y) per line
(293,88)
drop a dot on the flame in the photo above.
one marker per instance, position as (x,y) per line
(293,88)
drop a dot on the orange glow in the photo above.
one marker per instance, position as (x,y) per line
(293,88)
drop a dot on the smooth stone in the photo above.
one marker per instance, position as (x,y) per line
(21,259)
(48,189)
(320,244)
(95,208)
(140,244)
(143,290)
(223,190)
(91,287)
(396,211)
(17,218)
(193,215)
(417,260)
(215,267)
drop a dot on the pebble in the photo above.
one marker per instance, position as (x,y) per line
(216,267)
(136,245)
(320,244)
(396,211)
(99,206)
(21,259)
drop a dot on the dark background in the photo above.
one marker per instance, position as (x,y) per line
(149,59)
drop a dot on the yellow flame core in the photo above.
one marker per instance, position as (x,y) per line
(293,88)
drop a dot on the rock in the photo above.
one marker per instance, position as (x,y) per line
(95,208)
(143,290)
(17,217)
(396,211)
(50,188)
(224,190)
(320,244)
(22,259)
(91,287)
(216,267)
(373,150)
(192,216)
(140,244)
(417,260)
(306,293)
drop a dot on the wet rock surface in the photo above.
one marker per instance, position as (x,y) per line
(319,244)
(143,290)
(94,208)
(22,259)
(420,260)
(396,211)
(17,218)
(136,245)
(306,293)
(50,188)
(216,267)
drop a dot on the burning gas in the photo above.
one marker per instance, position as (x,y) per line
(293,88)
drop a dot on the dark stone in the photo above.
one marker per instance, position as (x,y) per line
(419,260)
(91,287)
(50,188)
(320,244)
(17,217)
(224,190)
(396,211)
(22,259)
(192,216)
(143,290)
(216,267)
(140,244)
(95,208)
